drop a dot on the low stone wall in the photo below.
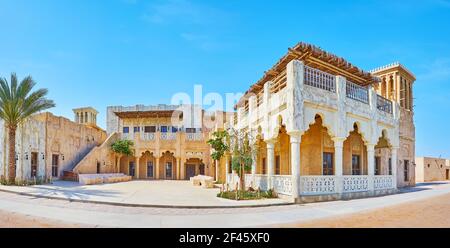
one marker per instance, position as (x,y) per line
(91,179)
(345,196)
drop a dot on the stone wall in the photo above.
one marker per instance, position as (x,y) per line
(432,169)
(47,135)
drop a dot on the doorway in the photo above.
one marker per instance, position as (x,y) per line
(98,167)
(150,169)
(190,171)
(34,164)
(447,174)
(327,169)
(168,170)
(55,161)
(132,168)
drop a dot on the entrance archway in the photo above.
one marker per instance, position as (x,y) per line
(383,161)
(355,154)
(168,166)
(147,166)
(282,153)
(194,167)
(317,150)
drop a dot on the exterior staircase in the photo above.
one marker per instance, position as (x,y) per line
(72,175)
(69,175)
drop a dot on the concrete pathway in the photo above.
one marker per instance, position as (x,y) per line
(145,193)
(115,216)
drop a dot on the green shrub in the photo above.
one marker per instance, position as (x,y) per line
(247,195)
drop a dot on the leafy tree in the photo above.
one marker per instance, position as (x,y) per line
(243,153)
(219,145)
(124,147)
(17,103)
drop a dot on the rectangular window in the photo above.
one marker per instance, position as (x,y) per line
(169,170)
(356,166)
(163,129)
(150,169)
(190,130)
(136,129)
(264,166)
(174,129)
(126,130)
(390,166)
(150,129)
(55,161)
(377,166)
(406,170)
(327,164)
(277,165)
(132,169)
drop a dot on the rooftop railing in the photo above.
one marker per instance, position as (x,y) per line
(384,104)
(357,92)
(319,79)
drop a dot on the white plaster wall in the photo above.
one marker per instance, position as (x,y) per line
(30,137)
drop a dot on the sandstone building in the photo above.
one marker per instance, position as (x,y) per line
(324,128)
(327,129)
(47,145)
(432,169)
(169,143)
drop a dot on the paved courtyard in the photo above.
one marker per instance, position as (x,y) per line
(46,212)
(148,193)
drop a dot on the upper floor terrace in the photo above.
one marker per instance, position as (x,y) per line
(307,82)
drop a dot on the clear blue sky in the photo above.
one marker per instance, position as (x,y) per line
(126,52)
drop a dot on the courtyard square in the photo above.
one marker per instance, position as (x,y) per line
(158,193)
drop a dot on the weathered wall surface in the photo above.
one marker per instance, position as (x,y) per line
(47,135)
(406,153)
(432,169)
(99,155)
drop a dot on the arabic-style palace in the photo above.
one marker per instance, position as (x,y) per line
(325,130)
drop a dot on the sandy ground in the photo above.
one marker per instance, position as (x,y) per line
(433,212)
(14,220)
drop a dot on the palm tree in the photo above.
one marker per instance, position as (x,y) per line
(17,103)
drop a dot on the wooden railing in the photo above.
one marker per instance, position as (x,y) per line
(357,92)
(319,79)
(384,104)
(278,83)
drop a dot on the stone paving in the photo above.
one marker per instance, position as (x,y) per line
(151,193)
(97,215)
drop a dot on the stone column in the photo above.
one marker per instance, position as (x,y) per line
(216,167)
(394,161)
(338,163)
(157,167)
(178,176)
(295,140)
(182,168)
(371,164)
(270,162)
(136,167)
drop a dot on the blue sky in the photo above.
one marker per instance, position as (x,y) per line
(126,52)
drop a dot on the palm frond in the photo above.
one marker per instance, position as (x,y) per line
(18,102)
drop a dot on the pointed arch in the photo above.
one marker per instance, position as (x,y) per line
(355,152)
(315,142)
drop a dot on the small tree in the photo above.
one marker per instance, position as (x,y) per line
(123,147)
(219,143)
(243,153)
